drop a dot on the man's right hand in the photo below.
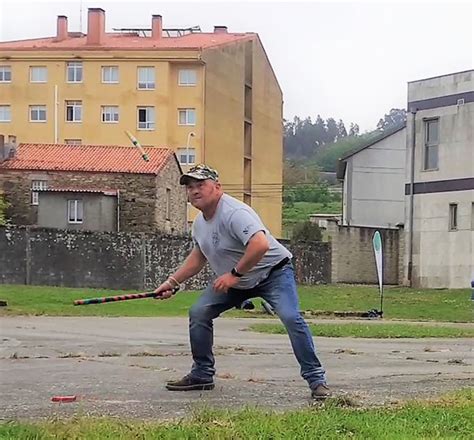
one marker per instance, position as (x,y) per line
(165,291)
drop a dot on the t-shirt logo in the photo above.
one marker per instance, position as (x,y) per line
(247,229)
(215,239)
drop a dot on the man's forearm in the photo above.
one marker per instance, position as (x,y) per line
(191,266)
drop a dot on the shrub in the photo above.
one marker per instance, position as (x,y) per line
(306,231)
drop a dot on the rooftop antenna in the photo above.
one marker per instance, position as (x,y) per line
(80,16)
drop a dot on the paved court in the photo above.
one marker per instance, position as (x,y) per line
(118,367)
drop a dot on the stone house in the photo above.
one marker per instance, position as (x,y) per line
(93,187)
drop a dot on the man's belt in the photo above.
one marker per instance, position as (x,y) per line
(279,265)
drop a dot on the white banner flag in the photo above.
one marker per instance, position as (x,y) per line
(377,242)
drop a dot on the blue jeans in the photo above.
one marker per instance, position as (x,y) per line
(279,290)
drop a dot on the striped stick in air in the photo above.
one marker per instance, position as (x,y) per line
(137,144)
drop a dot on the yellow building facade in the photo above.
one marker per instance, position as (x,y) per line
(211,97)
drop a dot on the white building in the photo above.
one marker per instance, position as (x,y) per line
(439,224)
(373,182)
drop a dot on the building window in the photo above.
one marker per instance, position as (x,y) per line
(168,203)
(110,113)
(431,144)
(37,185)
(38,74)
(73,141)
(146,78)
(75,211)
(5,73)
(74,71)
(453,216)
(110,74)
(186,156)
(186,116)
(37,113)
(146,118)
(5,113)
(74,111)
(187,77)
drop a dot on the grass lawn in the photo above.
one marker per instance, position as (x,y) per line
(361,330)
(449,417)
(399,303)
(300,211)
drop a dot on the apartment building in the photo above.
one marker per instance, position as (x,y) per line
(210,97)
(440,181)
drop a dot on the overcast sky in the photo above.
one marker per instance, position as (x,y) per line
(348,60)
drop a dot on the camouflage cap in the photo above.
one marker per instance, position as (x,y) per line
(199,172)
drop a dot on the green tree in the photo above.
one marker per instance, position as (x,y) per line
(354,129)
(306,231)
(300,138)
(320,131)
(299,172)
(332,129)
(395,117)
(304,138)
(317,192)
(328,157)
(341,130)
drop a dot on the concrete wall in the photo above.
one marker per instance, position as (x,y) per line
(14,247)
(69,258)
(441,258)
(374,184)
(99,211)
(352,254)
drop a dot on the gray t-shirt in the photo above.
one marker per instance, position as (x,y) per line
(223,240)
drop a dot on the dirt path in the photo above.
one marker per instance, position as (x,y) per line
(106,362)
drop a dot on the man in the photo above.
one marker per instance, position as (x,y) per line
(249,262)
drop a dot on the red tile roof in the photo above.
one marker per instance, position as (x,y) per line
(193,41)
(89,158)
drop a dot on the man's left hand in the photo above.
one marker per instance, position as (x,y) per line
(225,282)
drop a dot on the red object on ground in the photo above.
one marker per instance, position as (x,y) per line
(63,398)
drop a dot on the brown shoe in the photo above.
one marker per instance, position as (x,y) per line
(190,383)
(320,391)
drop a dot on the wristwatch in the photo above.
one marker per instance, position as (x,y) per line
(236,274)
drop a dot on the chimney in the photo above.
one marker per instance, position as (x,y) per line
(61,28)
(12,146)
(156,27)
(2,147)
(95,26)
(220,29)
